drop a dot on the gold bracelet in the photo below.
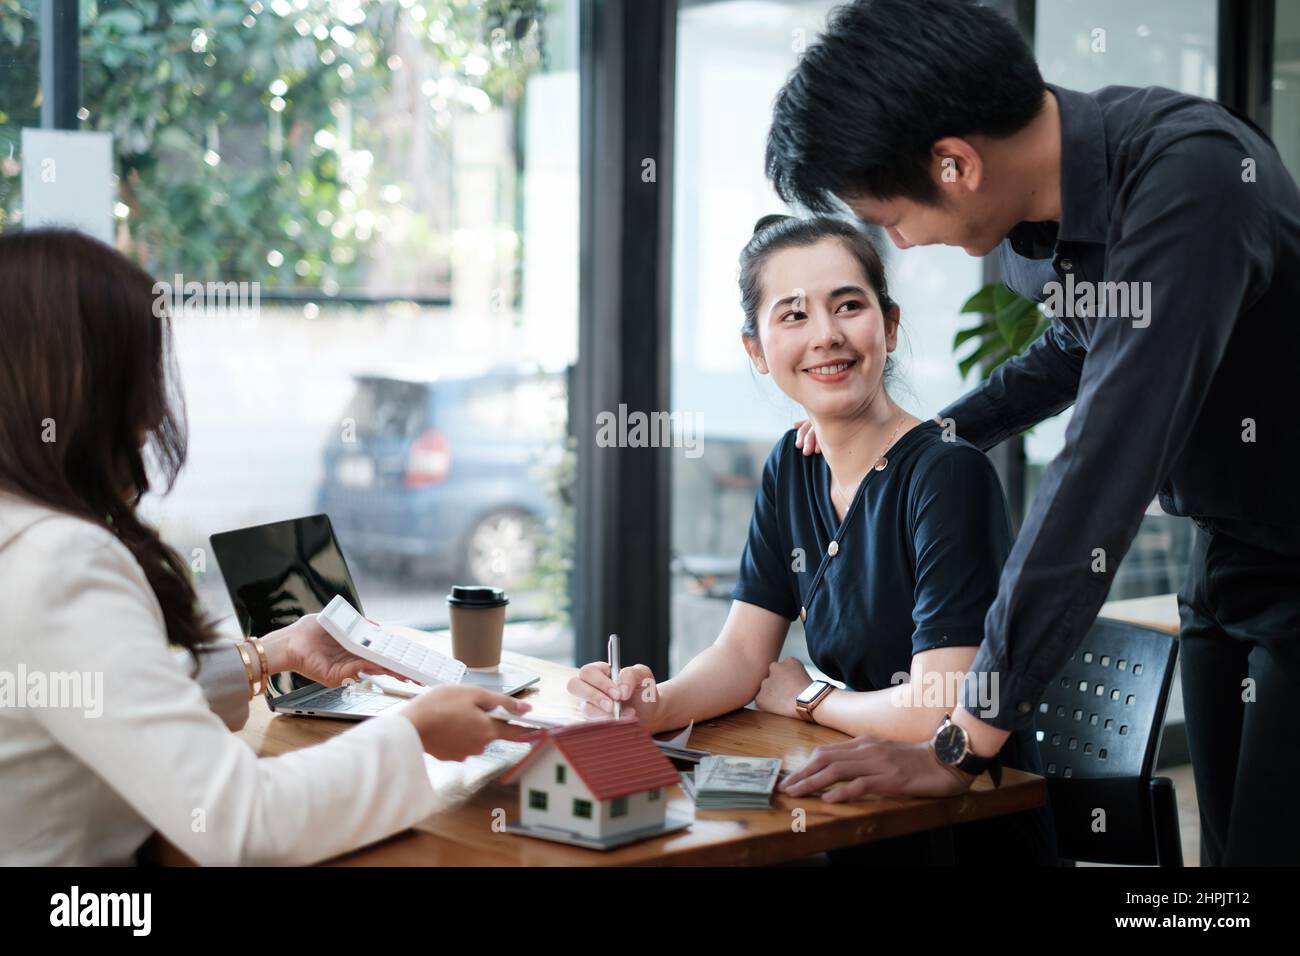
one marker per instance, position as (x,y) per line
(248,666)
(263,660)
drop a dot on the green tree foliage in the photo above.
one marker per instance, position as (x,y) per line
(253,139)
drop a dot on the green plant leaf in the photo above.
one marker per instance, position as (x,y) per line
(993,345)
(981,301)
(1033,325)
(984,328)
(1010,316)
(1011,323)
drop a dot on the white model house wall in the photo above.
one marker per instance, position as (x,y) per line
(541,777)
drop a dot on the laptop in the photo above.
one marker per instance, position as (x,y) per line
(275,573)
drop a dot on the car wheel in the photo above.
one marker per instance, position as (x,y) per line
(502,549)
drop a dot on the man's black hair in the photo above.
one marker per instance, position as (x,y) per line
(885,80)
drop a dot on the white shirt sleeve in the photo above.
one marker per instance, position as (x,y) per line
(159,746)
(223,679)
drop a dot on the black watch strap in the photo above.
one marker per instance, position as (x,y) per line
(974,764)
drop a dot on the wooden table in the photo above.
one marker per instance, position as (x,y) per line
(1159,611)
(795,827)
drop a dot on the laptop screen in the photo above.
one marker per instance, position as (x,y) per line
(278,572)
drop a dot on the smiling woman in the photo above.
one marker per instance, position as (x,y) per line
(887,547)
(782,232)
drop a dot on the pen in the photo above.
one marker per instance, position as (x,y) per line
(613,671)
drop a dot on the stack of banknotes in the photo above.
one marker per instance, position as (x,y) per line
(732,783)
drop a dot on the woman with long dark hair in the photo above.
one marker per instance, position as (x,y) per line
(92,597)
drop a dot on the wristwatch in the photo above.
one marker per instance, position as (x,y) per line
(812,695)
(952,749)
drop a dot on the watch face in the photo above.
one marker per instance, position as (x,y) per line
(810,692)
(950,744)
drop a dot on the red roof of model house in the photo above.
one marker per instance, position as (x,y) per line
(613,758)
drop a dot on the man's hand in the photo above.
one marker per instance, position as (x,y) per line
(807,438)
(865,765)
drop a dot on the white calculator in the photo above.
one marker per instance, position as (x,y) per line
(392,651)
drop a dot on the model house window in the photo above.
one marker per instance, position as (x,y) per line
(654,794)
(537,799)
(582,809)
(559,773)
(618,807)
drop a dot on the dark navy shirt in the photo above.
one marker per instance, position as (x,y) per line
(915,566)
(1174,198)
(917,555)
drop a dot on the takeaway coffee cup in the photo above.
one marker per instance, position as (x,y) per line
(478,618)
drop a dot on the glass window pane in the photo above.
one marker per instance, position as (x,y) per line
(1088,44)
(1286,83)
(399,184)
(1085,46)
(20,98)
(732,58)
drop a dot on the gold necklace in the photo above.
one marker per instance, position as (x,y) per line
(880,462)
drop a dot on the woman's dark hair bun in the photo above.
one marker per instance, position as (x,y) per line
(768,220)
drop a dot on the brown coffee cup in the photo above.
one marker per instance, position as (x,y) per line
(478,620)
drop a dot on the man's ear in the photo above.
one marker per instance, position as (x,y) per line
(755,350)
(955,161)
(892,321)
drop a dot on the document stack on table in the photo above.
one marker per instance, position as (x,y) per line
(732,783)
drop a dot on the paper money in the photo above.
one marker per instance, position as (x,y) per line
(732,782)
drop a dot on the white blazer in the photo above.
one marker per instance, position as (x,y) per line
(83,787)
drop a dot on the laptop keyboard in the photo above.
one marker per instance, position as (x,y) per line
(349,701)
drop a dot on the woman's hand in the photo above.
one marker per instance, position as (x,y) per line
(785,681)
(306,648)
(865,765)
(452,719)
(636,691)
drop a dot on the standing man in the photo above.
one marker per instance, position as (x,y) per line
(1164,232)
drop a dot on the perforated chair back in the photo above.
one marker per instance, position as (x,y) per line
(1099,727)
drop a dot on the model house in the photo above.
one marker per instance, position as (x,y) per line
(599,780)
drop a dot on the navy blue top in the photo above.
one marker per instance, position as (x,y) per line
(916,564)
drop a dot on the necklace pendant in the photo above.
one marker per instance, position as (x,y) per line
(880,465)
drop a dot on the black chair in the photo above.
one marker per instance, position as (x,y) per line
(1099,727)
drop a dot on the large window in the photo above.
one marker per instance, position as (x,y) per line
(1286,83)
(20,100)
(387,192)
(1085,46)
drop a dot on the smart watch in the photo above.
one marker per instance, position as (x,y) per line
(812,695)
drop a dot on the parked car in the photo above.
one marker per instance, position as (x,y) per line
(442,474)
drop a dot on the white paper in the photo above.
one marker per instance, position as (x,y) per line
(681,739)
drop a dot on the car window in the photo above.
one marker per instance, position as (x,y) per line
(386,408)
